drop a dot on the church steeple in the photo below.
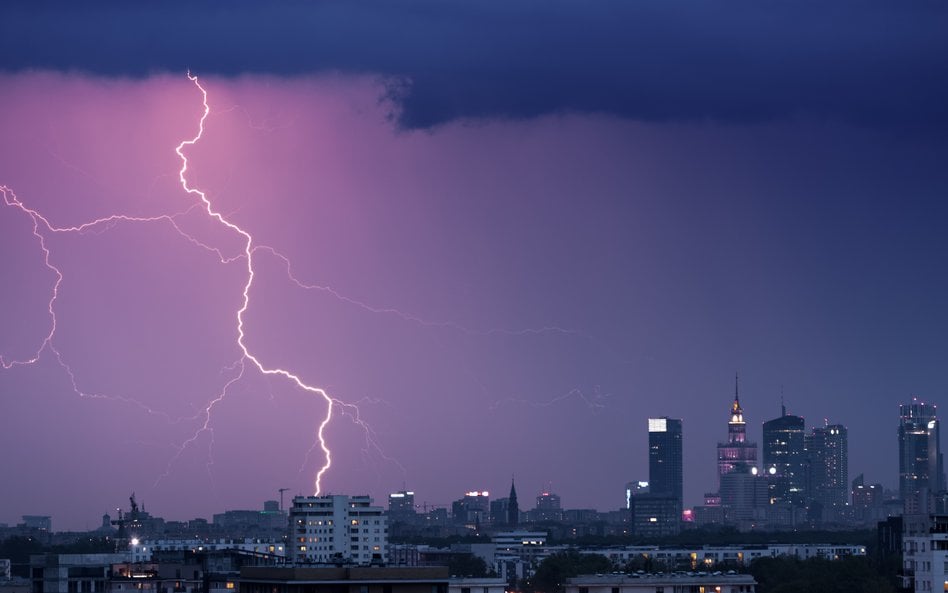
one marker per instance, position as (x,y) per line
(513,509)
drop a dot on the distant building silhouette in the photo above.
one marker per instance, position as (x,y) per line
(401,505)
(513,508)
(505,512)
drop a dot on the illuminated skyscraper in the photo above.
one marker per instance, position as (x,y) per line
(921,472)
(784,457)
(665,457)
(737,454)
(401,505)
(827,450)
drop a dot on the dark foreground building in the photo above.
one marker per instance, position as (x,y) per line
(372,579)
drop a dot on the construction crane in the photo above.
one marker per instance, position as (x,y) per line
(282,490)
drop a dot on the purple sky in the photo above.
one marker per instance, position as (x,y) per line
(499,295)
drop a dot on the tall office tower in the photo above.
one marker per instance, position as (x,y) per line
(664,457)
(737,454)
(473,509)
(548,507)
(337,528)
(921,470)
(633,489)
(827,451)
(784,457)
(401,505)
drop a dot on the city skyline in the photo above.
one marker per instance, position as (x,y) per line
(656,429)
(431,246)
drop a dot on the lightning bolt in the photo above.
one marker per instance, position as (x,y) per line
(408,317)
(248,255)
(594,401)
(42,227)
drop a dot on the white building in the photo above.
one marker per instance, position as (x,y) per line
(143,550)
(334,529)
(925,555)
(476,585)
(698,582)
(708,556)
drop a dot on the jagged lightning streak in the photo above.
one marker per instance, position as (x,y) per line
(42,226)
(595,401)
(10,199)
(248,253)
(549,329)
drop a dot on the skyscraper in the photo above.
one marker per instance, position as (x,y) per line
(401,505)
(656,505)
(665,457)
(921,472)
(737,454)
(784,457)
(827,450)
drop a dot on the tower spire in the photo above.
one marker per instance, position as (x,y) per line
(513,509)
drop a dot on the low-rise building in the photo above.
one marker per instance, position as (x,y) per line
(356,579)
(677,582)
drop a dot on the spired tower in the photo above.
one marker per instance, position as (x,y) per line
(737,454)
(513,509)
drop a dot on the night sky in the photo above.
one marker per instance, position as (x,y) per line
(509,232)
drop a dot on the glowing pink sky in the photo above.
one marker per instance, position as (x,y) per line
(673,254)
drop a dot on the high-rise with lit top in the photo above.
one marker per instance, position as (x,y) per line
(921,470)
(665,457)
(737,454)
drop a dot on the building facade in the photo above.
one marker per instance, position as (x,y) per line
(670,583)
(337,529)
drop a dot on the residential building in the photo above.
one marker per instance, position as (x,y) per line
(717,582)
(827,450)
(337,529)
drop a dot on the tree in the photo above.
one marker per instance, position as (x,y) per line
(467,565)
(552,573)
(851,574)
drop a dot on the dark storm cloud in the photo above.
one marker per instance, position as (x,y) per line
(874,63)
